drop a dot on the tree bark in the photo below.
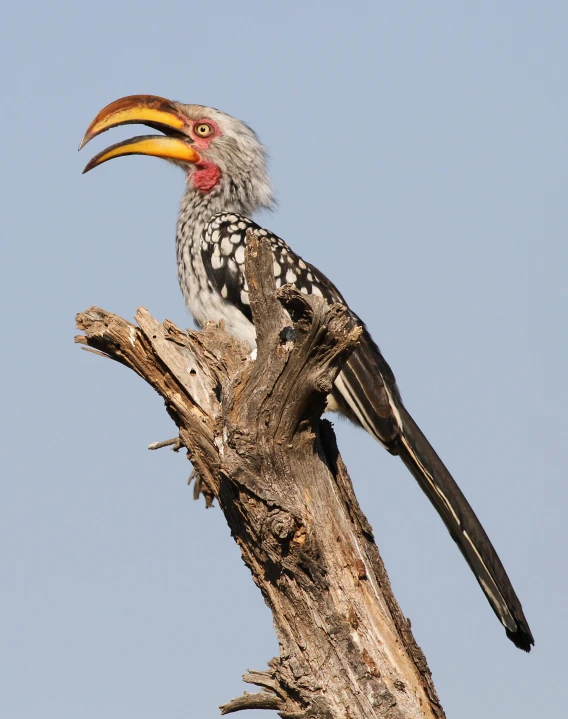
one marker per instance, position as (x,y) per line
(253,433)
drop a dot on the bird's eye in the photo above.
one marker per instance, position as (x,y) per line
(203,129)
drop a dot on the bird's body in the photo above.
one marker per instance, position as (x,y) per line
(210,259)
(226,183)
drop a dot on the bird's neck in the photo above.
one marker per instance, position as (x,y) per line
(197,208)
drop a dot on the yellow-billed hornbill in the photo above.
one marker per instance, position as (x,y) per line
(227,181)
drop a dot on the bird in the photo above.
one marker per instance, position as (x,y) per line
(226,182)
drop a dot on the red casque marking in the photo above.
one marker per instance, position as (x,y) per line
(205,176)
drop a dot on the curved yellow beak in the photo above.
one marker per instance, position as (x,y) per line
(150,110)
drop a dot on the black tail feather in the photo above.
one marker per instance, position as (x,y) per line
(466,530)
(366,391)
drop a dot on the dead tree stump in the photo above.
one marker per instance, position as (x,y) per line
(253,433)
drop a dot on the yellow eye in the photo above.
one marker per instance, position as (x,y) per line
(203,129)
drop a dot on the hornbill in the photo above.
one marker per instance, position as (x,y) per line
(227,181)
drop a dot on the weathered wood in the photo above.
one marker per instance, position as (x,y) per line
(253,432)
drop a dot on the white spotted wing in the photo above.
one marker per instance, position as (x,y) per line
(223,253)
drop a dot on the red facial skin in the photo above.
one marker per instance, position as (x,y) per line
(206,174)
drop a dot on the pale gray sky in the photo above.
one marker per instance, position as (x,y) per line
(419,153)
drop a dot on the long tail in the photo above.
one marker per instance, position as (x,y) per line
(366,391)
(466,530)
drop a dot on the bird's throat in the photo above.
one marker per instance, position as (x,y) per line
(205,177)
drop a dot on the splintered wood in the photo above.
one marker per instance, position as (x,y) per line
(253,433)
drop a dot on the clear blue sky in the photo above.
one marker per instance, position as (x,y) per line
(419,152)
